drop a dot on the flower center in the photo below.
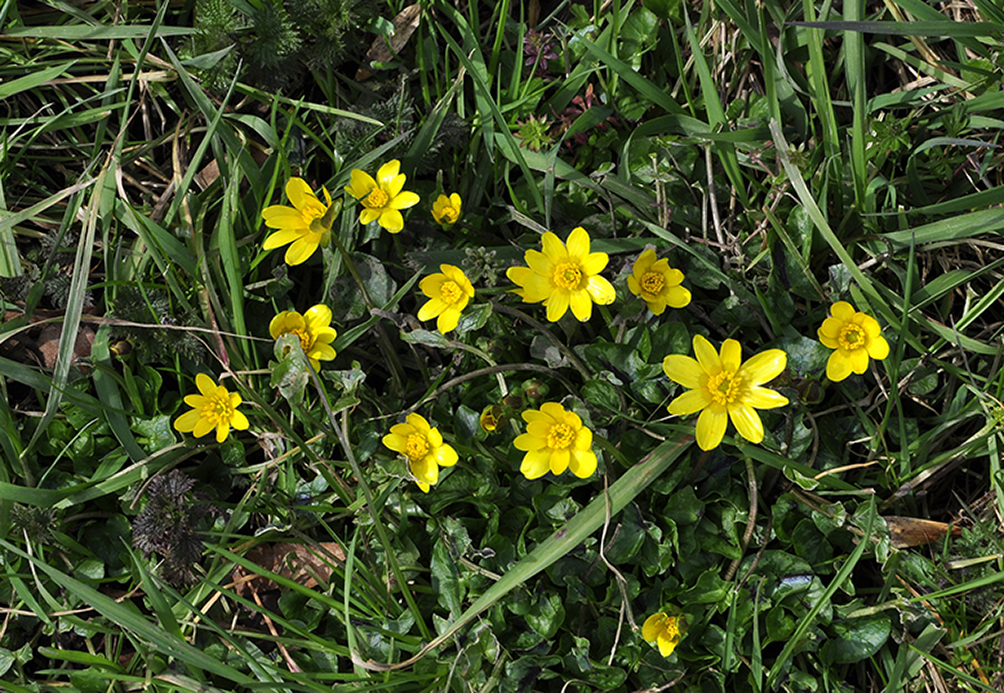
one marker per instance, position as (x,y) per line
(560,436)
(724,387)
(450,292)
(851,337)
(567,276)
(218,409)
(652,282)
(377,199)
(669,625)
(305,339)
(448,216)
(416,447)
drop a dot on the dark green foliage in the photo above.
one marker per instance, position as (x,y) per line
(153,306)
(276,41)
(168,526)
(397,114)
(36,522)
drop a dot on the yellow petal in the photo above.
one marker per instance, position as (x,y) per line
(539,262)
(404,200)
(446,456)
(281,238)
(553,248)
(535,463)
(678,297)
(395,441)
(689,402)
(706,355)
(652,627)
(557,305)
(643,263)
(747,422)
(299,252)
(392,220)
(732,355)
(858,358)
(765,366)
(388,172)
(842,311)
(683,370)
(559,460)
(205,384)
(368,216)
(360,184)
(582,463)
(448,320)
(419,423)
(594,263)
(434,307)
(222,431)
(187,422)
(202,427)
(838,367)
(582,305)
(239,421)
(711,427)
(317,319)
(601,291)
(578,243)
(878,348)
(764,398)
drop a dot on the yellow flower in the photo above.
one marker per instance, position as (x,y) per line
(382,198)
(313,328)
(664,630)
(423,447)
(855,336)
(561,277)
(492,418)
(446,210)
(448,295)
(214,408)
(657,283)
(305,226)
(722,387)
(555,440)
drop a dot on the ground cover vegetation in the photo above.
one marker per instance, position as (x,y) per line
(517,346)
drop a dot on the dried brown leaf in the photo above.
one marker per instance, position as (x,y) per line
(304,564)
(384,48)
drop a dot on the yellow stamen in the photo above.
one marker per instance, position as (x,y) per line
(305,339)
(851,337)
(560,436)
(652,282)
(218,409)
(567,276)
(448,216)
(450,292)
(724,387)
(416,447)
(377,199)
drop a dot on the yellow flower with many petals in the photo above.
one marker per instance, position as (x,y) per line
(657,283)
(723,387)
(446,210)
(423,447)
(665,631)
(563,277)
(555,440)
(313,328)
(214,408)
(305,226)
(383,198)
(855,336)
(448,295)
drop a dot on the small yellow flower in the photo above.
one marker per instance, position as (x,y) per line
(855,336)
(492,418)
(563,277)
(214,408)
(446,210)
(555,440)
(313,328)
(657,283)
(723,388)
(423,447)
(664,630)
(305,226)
(448,295)
(382,198)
